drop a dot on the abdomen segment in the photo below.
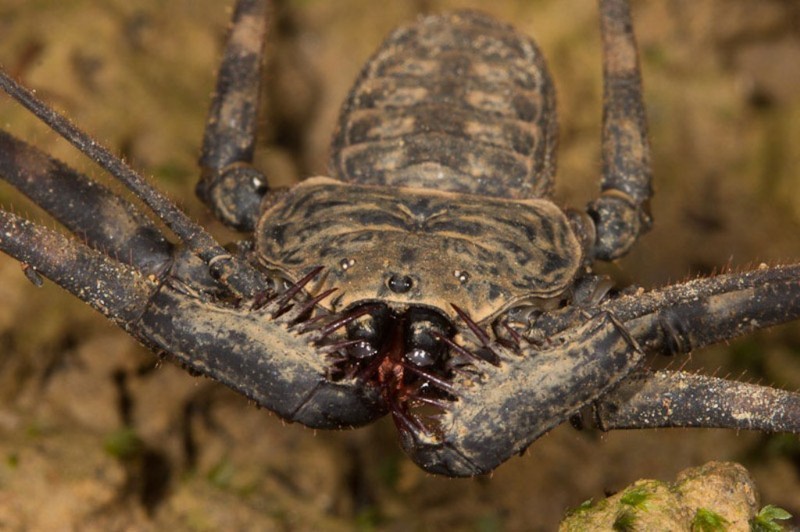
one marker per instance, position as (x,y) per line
(456,102)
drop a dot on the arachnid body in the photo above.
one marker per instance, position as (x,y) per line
(471,299)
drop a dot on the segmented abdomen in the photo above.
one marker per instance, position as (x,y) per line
(456,102)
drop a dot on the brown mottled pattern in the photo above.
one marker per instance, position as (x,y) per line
(483,254)
(456,102)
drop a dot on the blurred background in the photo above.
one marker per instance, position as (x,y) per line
(96,434)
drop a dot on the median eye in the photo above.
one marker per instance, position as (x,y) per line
(400,284)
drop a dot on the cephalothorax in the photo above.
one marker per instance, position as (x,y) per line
(431,277)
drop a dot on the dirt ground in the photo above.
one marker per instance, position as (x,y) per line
(95,435)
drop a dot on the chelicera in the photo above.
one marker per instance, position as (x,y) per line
(430,278)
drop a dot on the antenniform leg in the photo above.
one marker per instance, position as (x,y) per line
(679,399)
(118,291)
(621,213)
(681,318)
(236,275)
(229,184)
(106,222)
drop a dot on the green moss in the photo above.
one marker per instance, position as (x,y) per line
(625,521)
(764,521)
(636,497)
(655,55)
(35,430)
(583,507)
(389,470)
(706,520)
(748,355)
(783,445)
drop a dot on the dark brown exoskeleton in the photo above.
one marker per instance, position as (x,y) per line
(432,278)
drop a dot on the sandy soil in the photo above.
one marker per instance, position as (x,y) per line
(94,434)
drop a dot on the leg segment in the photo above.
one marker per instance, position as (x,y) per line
(621,213)
(684,317)
(117,290)
(229,185)
(679,399)
(235,274)
(104,221)
(680,318)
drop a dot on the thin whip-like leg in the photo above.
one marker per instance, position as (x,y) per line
(89,210)
(117,290)
(229,184)
(239,276)
(683,317)
(680,318)
(621,213)
(679,399)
